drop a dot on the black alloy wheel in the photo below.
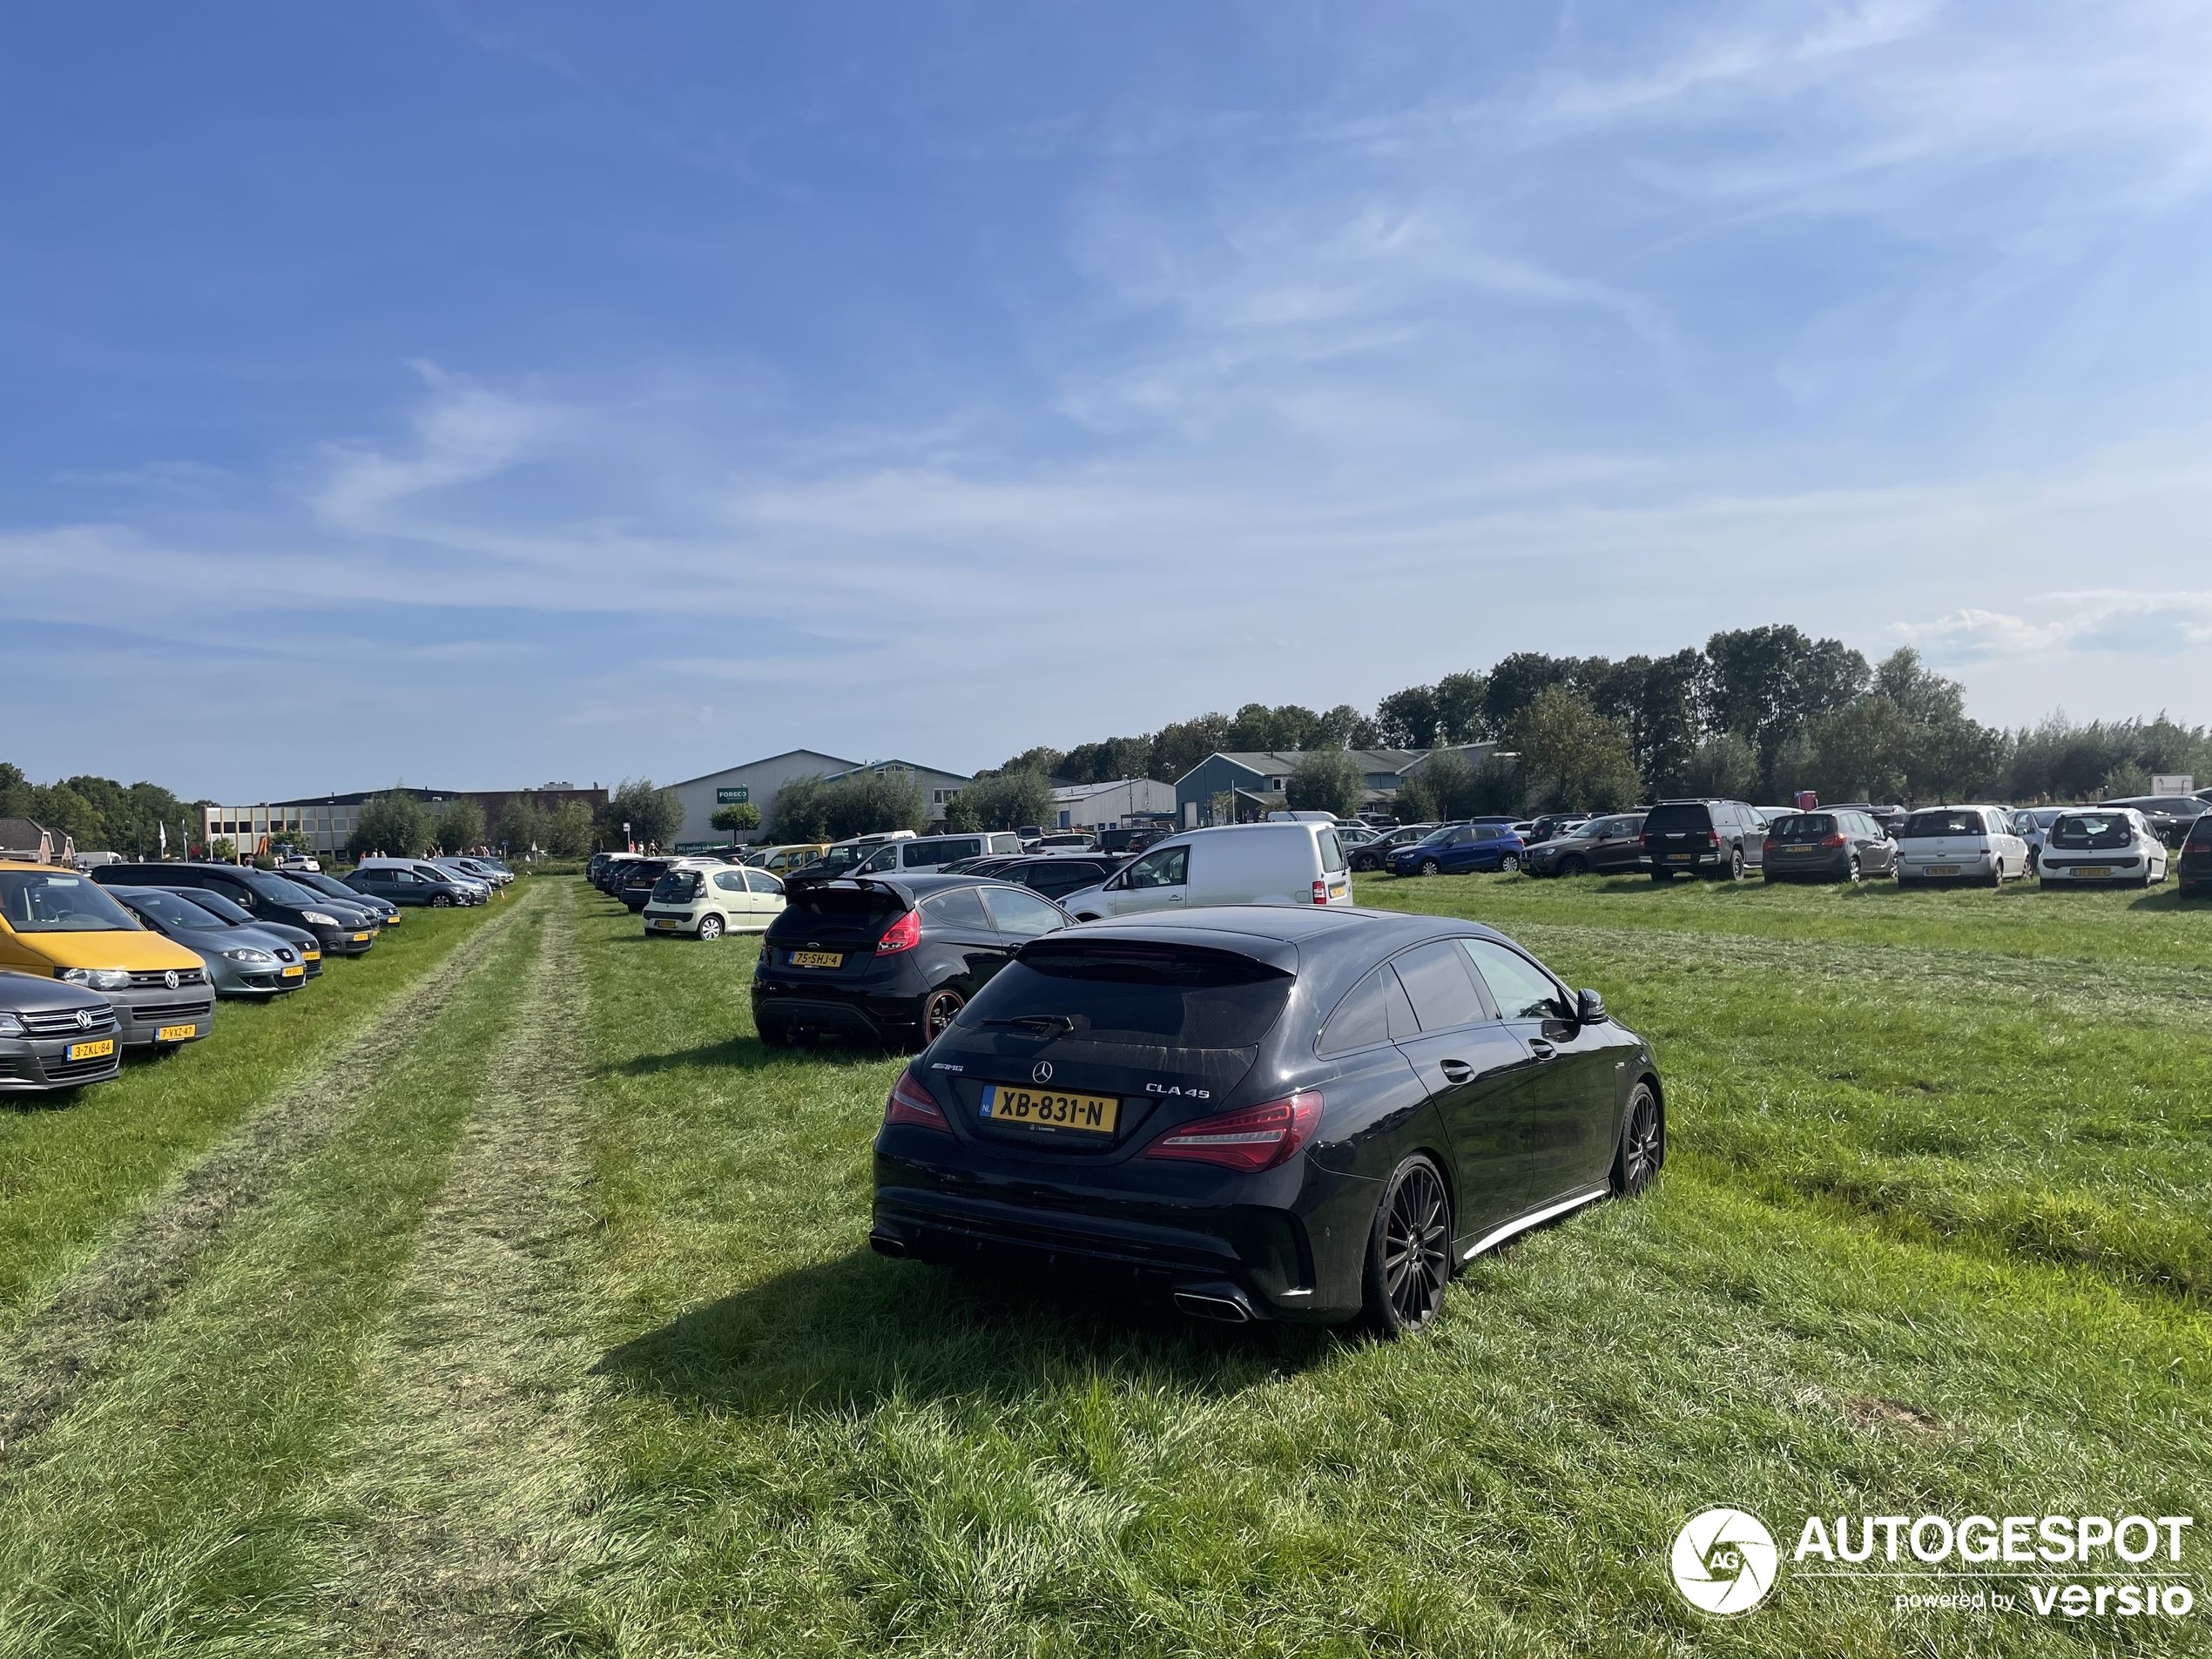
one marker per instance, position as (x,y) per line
(1409,1252)
(1575,864)
(1736,864)
(939,1010)
(1430,867)
(1851,871)
(440,901)
(710,926)
(1643,1144)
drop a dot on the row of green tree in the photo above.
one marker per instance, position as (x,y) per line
(1755,713)
(99,814)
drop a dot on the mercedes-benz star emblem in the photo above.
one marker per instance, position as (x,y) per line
(170,978)
(84,1019)
(1041,1072)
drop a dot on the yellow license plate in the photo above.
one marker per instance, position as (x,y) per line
(310,956)
(2093,869)
(361,939)
(91,1051)
(1682,858)
(1801,849)
(1091,1114)
(818,959)
(176,1034)
(293,972)
(1943,869)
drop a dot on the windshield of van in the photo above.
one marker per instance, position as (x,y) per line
(1154,996)
(36,902)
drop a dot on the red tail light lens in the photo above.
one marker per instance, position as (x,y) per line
(1644,840)
(911,1104)
(1832,841)
(1713,839)
(1320,893)
(902,935)
(1772,845)
(1258,1138)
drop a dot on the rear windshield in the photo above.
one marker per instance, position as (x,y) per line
(1154,997)
(1805,825)
(37,903)
(843,904)
(1942,823)
(2092,829)
(1672,820)
(677,885)
(648,870)
(2201,831)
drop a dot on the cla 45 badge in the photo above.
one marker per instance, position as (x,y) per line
(1175,1089)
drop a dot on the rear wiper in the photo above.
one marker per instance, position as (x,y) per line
(1063,1021)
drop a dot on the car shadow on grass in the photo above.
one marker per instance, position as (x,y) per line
(749,1054)
(859,1330)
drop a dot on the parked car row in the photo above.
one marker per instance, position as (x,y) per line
(135,956)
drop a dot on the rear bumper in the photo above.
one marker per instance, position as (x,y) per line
(2069,869)
(1829,867)
(1958,868)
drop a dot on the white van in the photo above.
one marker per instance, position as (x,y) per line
(1289,864)
(925,853)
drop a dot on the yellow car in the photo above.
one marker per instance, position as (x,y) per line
(782,860)
(57,924)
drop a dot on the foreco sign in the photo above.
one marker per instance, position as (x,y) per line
(1726,1563)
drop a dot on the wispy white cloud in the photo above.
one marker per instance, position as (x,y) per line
(464,433)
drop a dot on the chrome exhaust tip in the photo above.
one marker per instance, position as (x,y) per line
(1203,1305)
(885,1245)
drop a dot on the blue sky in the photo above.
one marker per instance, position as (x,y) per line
(481,395)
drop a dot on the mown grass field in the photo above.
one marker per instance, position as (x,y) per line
(559,1334)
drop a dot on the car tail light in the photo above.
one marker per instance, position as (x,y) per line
(1713,839)
(1258,1137)
(1643,838)
(911,1104)
(1320,893)
(1772,845)
(1832,841)
(902,935)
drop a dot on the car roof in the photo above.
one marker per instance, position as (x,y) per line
(1289,937)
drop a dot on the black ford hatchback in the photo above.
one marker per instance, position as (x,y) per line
(1263,1113)
(889,960)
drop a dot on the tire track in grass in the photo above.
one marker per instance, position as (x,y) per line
(469,1484)
(95,1315)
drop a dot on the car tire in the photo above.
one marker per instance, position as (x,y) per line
(1430,867)
(1409,1252)
(441,901)
(938,1009)
(1853,872)
(1736,864)
(710,926)
(1509,865)
(1576,864)
(1643,1150)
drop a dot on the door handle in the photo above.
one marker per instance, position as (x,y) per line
(1540,1048)
(1457,1071)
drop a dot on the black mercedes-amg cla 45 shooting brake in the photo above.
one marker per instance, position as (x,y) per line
(1263,1113)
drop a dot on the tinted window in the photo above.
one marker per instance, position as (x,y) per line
(676,886)
(1058,877)
(216,904)
(916,853)
(167,907)
(1375,1012)
(730,880)
(1435,978)
(1944,821)
(1523,990)
(1168,867)
(2093,830)
(1144,995)
(2201,831)
(960,907)
(1016,912)
(1806,826)
(868,905)
(1331,852)
(1675,819)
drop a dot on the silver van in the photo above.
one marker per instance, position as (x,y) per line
(1285,864)
(928,853)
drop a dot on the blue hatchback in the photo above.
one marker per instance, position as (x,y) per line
(1460,849)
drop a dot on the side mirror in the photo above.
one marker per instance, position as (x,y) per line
(1590,1008)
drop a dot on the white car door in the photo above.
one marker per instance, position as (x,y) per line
(1159,881)
(2007,841)
(767,899)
